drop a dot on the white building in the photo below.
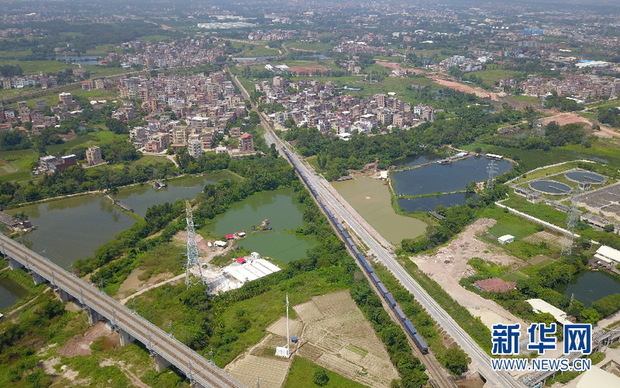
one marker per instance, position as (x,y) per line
(506,239)
(608,255)
(194,148)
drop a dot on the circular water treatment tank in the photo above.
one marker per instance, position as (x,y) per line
(550,187)
(585,177)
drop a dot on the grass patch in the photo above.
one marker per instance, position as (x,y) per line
(259,52)
(356,349)
(508,223)
(16,165)
(310,46)
(492,77)
(166,257)
(105,136)
(538,210)
(146,160)
(485,268)
(36,67)
(89,367)
(530,99)
(302,370)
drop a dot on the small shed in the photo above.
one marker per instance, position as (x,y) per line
(219,243)
(230,236)
(241,260)
(506,239)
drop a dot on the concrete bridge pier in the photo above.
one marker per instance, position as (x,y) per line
(194,384)
(160,362)
(63,295)
(93,316)
(38,279)
(125,338)
(14,264)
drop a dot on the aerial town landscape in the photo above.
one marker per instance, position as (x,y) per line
(310,194)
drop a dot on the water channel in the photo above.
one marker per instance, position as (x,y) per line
(284,215)
(372,199)
(592,286)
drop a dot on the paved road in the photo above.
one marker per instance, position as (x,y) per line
(382,253)
(190,363)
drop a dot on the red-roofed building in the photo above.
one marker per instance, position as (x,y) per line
(495,285)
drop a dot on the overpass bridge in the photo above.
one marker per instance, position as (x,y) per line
(164,348)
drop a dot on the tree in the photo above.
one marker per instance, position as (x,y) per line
(320,377)
(590,315)
(456,360)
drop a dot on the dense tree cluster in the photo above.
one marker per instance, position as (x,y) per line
(13,140)
(562,102)
(609,116)
(11,70)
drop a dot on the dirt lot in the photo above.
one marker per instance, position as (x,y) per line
(449,265)
(133,283)
(551,239)
(465,88)
(80,345)
(395,66)
(333,333)
(567,118)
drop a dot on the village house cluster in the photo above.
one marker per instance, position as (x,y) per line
(586,87)
(185,111)
(272,35)
(183,52)
(322,106)
(29,81)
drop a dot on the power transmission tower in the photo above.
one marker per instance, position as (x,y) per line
(492,170)
(571,223)
(192,246)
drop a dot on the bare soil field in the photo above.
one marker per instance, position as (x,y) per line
(465,88)
(333,334)
(567,118)
(80,345)
(551,239)
(133,283)
(259,363)
(449,264)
